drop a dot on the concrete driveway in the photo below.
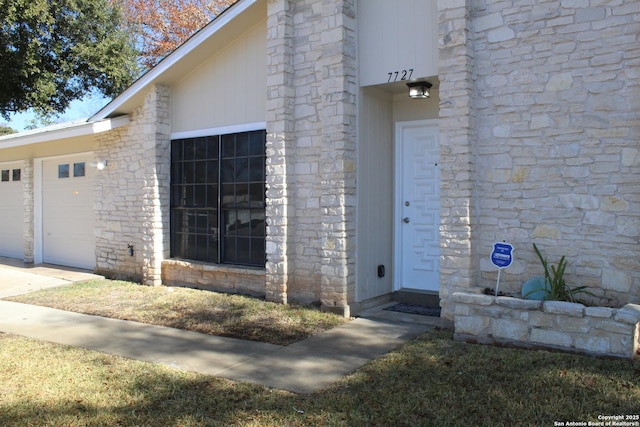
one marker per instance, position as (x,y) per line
(18,278)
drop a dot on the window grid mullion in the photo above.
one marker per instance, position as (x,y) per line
(243,241)
(220,213)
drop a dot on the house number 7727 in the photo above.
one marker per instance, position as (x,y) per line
(394,76)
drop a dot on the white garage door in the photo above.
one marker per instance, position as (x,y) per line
(11,210)
(67,211)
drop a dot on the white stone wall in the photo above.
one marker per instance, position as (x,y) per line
(280,147)
(219,278)
(311,152)
(560,325)
(28,231)
(156,182)
(545,147)
(132,193)
(118,202)
(458,155)
(338,154)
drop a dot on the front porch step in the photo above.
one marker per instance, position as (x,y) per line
(379,313)
(416,297)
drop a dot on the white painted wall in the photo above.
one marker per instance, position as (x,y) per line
(398,37)
(406,109)
(228,89)
(375,194)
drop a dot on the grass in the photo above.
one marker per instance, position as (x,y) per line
(191,309)
(429,381)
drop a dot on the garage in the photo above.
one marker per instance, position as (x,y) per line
(68,211)
(11,210)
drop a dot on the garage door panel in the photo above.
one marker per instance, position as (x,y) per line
(68,215)
(11,210)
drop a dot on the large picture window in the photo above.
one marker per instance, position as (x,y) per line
(218,198)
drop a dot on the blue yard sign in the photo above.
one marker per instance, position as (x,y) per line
(501,257)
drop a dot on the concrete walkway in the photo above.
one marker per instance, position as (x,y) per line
(18,278)
(303,367)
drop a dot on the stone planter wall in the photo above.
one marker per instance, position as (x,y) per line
(566,326)
(246,281)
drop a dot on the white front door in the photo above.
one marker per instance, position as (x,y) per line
(417,210)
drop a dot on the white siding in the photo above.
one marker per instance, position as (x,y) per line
(395,37)
(228,89)
(375,194)
(11,213)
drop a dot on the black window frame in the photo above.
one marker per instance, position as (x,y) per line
(63,171)
(218,199)
(79,169)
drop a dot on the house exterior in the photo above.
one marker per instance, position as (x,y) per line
(277,153)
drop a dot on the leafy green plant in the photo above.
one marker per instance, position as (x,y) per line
(556,288)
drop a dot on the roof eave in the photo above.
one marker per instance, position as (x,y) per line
(73,130)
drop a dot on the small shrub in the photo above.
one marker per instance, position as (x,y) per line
(556,289)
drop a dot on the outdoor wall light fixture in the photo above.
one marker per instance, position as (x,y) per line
(101,165)
(419,90)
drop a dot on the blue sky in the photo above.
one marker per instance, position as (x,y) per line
(79,109)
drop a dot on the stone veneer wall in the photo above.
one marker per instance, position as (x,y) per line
(458,254)
(545,147)
(560,325)
(132,193)
(280,147)
(156,182)
(28,231)
(311,148)
(191,274)
(118,203)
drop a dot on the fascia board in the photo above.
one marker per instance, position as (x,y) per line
(54,133)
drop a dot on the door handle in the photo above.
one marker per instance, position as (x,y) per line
(406,220)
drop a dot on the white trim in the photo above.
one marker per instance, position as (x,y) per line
(222,130)
(62,131)
(168,62)
(38,186)
(68,156)
(397,192)
(13,162)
